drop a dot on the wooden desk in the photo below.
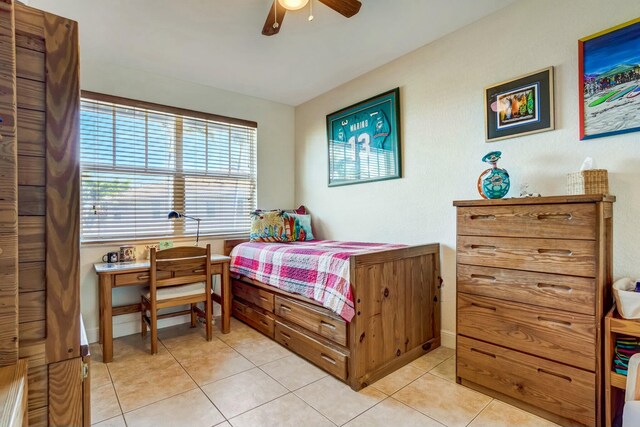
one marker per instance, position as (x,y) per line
(116,275)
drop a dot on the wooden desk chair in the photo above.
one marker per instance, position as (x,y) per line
(177,276)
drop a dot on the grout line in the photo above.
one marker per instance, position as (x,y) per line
(113,386)
(262,404)
(367,410)
(151,403)
(481,410)
(109,419)
(303,386)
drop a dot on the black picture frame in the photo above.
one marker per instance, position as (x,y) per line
(519,107)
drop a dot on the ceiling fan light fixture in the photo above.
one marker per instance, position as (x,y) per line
(293,4)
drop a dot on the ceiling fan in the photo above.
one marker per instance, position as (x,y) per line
(272,25)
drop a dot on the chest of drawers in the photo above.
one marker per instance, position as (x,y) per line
(533,285)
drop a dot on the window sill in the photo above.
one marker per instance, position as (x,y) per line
(149,241)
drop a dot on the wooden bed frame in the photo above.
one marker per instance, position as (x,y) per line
(397,303)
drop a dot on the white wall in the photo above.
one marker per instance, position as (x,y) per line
(275,160)
(443,134)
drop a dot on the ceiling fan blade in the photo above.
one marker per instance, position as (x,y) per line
(346,8)
(268,29)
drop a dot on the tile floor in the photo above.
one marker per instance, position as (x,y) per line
(245,379)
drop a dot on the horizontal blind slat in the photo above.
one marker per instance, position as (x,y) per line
(139,164)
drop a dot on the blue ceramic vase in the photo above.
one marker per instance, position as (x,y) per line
(493,183)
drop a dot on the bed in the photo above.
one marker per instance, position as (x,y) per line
(358,311)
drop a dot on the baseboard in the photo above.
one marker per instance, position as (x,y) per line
(129,324)
(448,339)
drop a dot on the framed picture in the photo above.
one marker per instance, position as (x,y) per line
(520,107)
(609,75)
(364,141)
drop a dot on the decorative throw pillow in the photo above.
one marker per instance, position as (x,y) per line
(298,227)
(300,210)
(268,227)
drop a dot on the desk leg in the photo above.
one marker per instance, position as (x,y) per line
(225,293)
(106,331)
(100,320)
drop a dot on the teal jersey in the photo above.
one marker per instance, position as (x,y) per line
(369,130)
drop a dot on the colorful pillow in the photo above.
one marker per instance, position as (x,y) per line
(268,227)
(298,227)
(300,210)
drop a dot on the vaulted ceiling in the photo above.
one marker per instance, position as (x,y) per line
(218,42)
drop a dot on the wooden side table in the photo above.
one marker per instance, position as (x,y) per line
(615,384)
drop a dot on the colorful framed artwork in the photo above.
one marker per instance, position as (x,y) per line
(609,76)
(519,107)
(364,141)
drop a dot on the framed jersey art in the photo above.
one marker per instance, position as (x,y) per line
(364,141)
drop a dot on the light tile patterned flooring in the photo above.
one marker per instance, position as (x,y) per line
(245,379)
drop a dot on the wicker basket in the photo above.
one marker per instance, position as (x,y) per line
(593,181)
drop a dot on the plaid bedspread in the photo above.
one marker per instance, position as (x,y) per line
(317,269)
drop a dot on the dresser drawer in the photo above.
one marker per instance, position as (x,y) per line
(569,221)
(254,295)
(559,389)
(320,353)
(141,278)
(574,294)
(315,319)
(572,257)
(254,317)
(557,335)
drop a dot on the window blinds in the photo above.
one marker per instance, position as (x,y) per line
(138,163)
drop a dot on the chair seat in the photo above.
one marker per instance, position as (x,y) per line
(169,292)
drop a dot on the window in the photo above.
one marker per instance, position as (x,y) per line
(140,161)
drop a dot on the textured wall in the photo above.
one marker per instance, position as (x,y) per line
(443,134)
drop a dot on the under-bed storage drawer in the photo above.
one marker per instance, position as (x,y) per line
(571,257)
(556,221)
(566,337)
(254,317)
(322,354)
(569,293)
(254,295)
(560,389)
(315,319)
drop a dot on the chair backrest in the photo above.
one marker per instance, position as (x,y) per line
(179,266)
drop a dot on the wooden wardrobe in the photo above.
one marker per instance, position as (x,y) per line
(39,211)
(534,283)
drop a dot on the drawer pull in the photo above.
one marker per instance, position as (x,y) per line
(264,323)
(559,322)
(555,287)
(198,270)
(263,298)
(327,325)
(483,277)
(559,252)
(483,247)
(565,217)
(143,277)
(475,350)
(486,307)
(285,335)
(564,377)
(285,308)
(328,359)
(483,217)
